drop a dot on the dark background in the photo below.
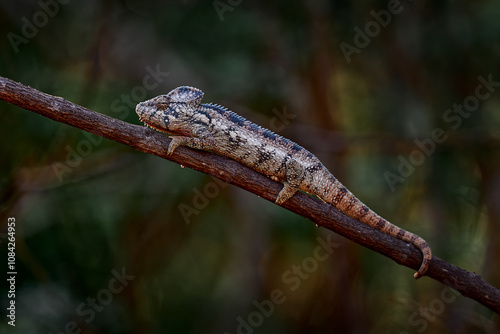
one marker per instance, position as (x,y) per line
(364,85)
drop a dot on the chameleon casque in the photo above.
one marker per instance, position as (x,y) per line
(211,127)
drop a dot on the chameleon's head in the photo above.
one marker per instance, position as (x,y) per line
(167,113)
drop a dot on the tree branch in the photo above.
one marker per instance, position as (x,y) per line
(325,215)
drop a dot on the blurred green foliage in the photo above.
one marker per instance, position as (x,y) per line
(219,269)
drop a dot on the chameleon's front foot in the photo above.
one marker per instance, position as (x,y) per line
(205,144)
(176,142)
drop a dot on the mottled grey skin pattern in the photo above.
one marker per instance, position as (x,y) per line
(213,128)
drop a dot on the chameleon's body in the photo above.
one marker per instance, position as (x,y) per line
(213,128)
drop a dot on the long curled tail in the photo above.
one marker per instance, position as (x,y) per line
(335,193)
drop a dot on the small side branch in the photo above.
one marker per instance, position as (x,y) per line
(149,141)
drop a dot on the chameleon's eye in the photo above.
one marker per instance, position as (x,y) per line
(161,102)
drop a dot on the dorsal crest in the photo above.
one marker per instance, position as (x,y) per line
(186,94)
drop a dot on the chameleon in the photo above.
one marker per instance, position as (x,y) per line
(211,127)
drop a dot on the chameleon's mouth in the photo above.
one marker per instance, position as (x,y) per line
(142,111)
(152,126)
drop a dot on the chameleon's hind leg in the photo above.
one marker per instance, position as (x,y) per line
(294,174)
(286,193)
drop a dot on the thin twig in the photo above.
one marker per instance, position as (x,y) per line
(325,215)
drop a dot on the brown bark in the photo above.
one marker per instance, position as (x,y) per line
(146,140)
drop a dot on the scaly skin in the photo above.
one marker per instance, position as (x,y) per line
(213,128)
